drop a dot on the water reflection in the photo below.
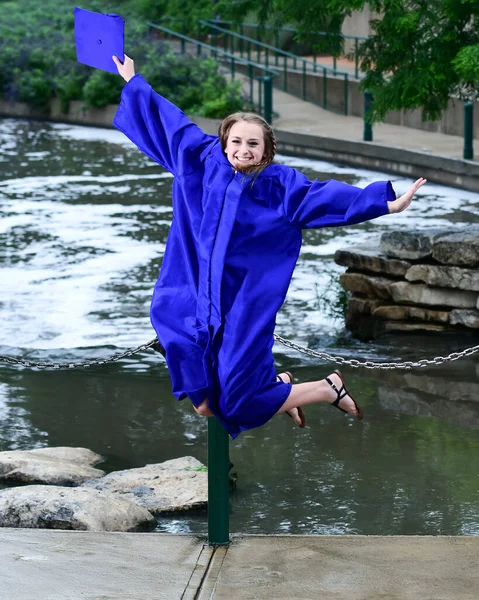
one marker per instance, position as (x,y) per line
(84,224)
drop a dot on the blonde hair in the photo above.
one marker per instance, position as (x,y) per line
(268,133)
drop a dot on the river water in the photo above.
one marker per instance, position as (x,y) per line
(84,220)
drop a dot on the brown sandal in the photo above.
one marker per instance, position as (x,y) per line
(300,410)
(342,393)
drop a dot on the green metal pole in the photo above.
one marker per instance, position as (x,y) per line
(304,80)
(260,94)
(325,89)
(268,99)
(368,130)
(468,153)
(250,73)
(346,92)
(218,484)
(356,58)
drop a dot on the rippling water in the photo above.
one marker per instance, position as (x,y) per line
(84,220)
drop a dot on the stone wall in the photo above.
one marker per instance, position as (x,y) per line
(413,281)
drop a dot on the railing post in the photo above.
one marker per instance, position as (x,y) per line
(346,93)
(218,483)
(356,58)
(468,152)
(325,89)
(304,80)
(268,99)
(368,129)
(250,73)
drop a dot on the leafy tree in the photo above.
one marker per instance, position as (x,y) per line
(421,52)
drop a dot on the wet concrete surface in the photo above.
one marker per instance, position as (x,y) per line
(60,565)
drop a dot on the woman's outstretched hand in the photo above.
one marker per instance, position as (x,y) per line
(126,69)
(404,201)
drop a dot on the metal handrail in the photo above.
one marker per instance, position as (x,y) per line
(267,48)
(277,30)
(265,93)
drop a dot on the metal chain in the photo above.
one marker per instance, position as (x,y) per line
(78,365)
(438,360)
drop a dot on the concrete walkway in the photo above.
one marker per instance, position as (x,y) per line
(304,117)
(60,565)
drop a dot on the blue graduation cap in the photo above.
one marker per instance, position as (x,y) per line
(98,37)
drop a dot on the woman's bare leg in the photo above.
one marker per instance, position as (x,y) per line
(318,391)
(293,412)
(301,395)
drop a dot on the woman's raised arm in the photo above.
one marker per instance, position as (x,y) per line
(156,126)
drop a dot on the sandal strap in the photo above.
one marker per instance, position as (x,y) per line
(341,393)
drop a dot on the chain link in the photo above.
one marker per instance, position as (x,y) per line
(355,364)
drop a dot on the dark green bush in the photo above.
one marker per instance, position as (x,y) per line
(38,57)
(102,89)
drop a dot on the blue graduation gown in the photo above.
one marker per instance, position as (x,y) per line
(230,254)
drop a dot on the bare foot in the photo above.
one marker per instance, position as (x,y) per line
(203,409)
(346,403)
(294,413)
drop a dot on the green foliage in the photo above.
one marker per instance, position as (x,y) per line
(38,58)
(308,18)
(411,59)
(332,298)
(33,87)
(418,56)
(101,89)
(466,64)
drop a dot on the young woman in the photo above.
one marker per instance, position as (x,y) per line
(231,251)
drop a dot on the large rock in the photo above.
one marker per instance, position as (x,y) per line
(415,313)
(366,285)
(419,293)
(443,276)
(54,507)
(408,402)
(405,326)
(357,305)
(59,466)
(409,245)
(452,390)
(468,318)
(368,258)
(358,316)
(179,484)
(461,248)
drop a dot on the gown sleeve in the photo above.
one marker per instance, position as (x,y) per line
(333,203)
(159,129)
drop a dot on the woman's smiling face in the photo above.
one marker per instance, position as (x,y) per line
(245,145)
